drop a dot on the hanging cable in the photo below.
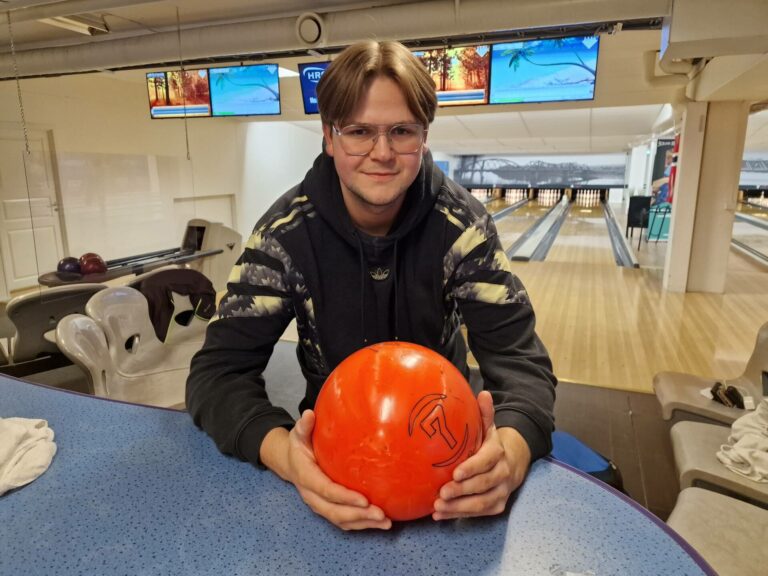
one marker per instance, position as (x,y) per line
(18,84)
(182,78)
(27,149)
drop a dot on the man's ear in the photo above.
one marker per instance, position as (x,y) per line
(328,139)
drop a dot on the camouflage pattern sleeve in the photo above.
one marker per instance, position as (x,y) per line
(500,323)
(226,392)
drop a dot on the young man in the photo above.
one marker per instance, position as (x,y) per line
(375,244)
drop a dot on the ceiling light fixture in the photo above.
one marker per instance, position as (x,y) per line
(80,24)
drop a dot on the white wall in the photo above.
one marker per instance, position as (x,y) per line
(277,156)
(637,174)
(453,161)
(121,174)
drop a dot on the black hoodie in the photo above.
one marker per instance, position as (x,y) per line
(441,263)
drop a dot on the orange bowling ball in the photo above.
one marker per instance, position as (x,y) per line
(393,420)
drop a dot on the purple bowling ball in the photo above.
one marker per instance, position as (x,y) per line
(69,265)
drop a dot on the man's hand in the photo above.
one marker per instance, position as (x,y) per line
(482,484)
(290,456)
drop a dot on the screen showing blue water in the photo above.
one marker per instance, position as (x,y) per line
(544,70)
(309,75)
(245,90)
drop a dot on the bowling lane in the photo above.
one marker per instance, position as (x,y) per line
(583,238)
(513,225)
(496,205)
(753,209)
(751,235)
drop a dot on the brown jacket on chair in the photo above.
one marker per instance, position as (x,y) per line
(158,288)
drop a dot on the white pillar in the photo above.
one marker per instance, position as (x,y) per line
(685,194)
(709,164)
(718,192)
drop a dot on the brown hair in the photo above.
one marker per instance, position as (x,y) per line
(351,73)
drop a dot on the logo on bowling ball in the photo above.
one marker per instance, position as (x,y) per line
(428,415)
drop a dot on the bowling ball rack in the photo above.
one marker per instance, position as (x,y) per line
(128,265)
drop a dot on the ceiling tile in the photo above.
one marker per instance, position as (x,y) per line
(557,122)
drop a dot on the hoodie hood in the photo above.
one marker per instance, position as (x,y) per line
(321,185)
(323,188)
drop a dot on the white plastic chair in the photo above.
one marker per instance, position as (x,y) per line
(695,446)
(84,343)
(680,394)
(7,332)
(729,534)
(36,313)
(184,326)
(136,366)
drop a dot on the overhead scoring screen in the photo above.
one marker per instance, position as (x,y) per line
(309,76)
(544,70)
(174,93)
(460,74)
(245,90)
(550,70)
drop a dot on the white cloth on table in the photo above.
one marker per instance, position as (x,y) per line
(26,451)
(747,450)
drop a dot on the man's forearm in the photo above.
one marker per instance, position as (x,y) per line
(274,452)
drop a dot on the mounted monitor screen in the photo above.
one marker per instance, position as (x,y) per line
(544,70)
(309,75)
(460,74)
(245,90)
(173,93)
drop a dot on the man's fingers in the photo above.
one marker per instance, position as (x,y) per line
(477,484)
(487,411)
(487,457)
(347,517)
(312,479)
(485,504)
(305,425)
(338,494)
(367,524)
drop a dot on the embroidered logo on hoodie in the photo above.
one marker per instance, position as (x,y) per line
(379,273)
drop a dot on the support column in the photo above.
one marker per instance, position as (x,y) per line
(705,196)
(685,193)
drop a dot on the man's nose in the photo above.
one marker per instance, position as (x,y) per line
(382,148)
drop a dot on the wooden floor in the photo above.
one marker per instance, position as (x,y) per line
(615,327)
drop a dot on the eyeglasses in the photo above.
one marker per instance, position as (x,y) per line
(359,139)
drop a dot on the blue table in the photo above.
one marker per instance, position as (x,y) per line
(140,490)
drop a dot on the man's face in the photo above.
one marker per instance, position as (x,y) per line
(375,184)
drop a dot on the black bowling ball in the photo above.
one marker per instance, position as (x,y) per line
(69,265)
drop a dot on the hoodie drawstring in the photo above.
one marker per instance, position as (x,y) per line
(397,308)
(362,285)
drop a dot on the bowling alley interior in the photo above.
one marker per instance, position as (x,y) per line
(620,148)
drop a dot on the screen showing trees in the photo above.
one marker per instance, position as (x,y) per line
(177,93)
(460,74)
